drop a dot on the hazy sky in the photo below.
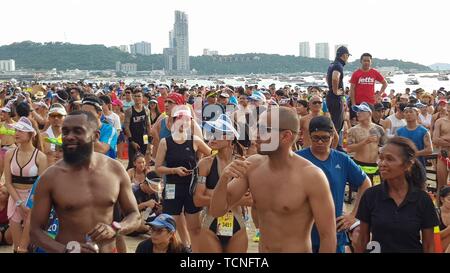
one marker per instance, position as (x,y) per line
(409,30)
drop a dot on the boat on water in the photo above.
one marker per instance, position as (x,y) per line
(442,77)
(412,81)
(389,80)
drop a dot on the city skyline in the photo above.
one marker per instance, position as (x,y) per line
(400,36)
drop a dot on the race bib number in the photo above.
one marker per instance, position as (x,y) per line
(376,180)
(225,225)
(170,191)
(145,139)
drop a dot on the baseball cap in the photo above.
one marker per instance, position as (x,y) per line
(321,123)
(363,107)
(445,190)
(117,102)
(58,109)
(420,105)
(182,112)
(5,109)
(257,96)
(164,221)
(378,107)
(176,97)
(386,99)
(94,101)
(442,102)
(224,95)
(222,124)
(341,51)
(153,180)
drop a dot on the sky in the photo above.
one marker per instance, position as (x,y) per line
(394,29)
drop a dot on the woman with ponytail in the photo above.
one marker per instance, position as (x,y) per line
(398,212)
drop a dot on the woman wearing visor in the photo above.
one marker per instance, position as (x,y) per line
(25,164)
(225,234)
(177,160)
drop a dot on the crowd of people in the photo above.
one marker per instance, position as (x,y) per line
(85,164)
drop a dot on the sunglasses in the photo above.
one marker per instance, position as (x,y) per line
(316,102)
(157,230)
(324,139)
(128,93)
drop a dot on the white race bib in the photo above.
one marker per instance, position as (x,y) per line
(170,191)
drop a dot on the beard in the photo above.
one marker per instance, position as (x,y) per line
(82,153)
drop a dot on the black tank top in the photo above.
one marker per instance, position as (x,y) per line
(180,155)
(213,176)
(138,125)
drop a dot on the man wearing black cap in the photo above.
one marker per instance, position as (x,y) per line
(377,115)
(335,76)
(339,169)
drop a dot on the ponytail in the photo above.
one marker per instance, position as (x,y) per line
(417,176)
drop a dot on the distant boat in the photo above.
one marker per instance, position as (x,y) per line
(412,81)
(442,78)
(389,80)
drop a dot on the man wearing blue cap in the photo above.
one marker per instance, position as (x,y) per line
(364,141)
(335,77)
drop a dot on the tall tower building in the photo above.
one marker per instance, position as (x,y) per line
(322,51)
(304,50)
(180,36)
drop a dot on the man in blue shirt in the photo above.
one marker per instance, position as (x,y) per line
(416,133)
(107,143)
(339,169)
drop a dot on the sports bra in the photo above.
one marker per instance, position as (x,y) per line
(26,174)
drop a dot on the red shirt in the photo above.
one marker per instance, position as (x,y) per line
(161,104)
(364,82)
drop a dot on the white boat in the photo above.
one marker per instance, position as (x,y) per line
(442,78)
(412,81)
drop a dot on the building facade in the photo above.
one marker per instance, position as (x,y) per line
(322,51)
(304,50)
(7,65)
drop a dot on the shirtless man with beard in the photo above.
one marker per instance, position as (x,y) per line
(83,188)
(364,141)
(289,192)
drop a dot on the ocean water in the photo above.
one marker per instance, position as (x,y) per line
(399,85)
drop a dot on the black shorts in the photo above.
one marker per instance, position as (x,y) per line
(117,213)
(3,229)
(183,199)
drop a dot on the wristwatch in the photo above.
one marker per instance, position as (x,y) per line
(117,227)
(19,203)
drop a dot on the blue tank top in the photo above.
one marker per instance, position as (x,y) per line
(164,131)
(415,136)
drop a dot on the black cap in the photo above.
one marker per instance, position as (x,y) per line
(321,123)
(341,51)
(378,107)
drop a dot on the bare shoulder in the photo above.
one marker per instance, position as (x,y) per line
(204,165)
(257,159)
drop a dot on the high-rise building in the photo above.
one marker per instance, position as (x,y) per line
(337,46)
(304,50)
(176,56)
(322,51)
(181,41)
(142,48)
(7,65)
(124,48)
(169,59)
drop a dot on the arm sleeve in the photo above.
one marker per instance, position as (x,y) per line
(353,78)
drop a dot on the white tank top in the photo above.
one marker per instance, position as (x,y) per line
(426,121)
(396,124)
(50,134)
